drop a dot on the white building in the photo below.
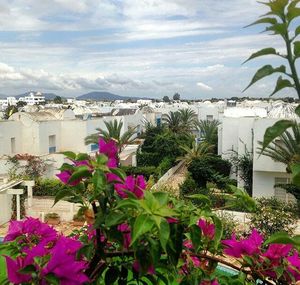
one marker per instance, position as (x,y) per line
(241,129)
(33,99)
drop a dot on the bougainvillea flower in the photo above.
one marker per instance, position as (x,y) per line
(136,266)
(64,177)
(109,148)
(294,267)
(13,267)
(188,244)
(63,262)
(30,227)
(135,185)
(125,229)
(208,229)
(277,251)
(248,246)
(172,220)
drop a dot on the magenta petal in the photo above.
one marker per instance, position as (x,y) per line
(64,176)
(13,266)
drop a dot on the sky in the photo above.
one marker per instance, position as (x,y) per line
(145,48)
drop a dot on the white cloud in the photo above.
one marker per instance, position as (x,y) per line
(204,87)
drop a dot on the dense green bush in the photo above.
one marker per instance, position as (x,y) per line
(48,187)
(165,165)
(146,171)
(273,215)
(210,169)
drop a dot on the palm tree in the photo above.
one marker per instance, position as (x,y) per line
(209,131)
(173,121)
(189,119)
(197,151)
(113,131)
(286,148)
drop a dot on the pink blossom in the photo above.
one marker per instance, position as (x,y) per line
(136,266)
(277,251)
(172,220)
(13,267)
(208,229)
(109,148)
(30,227)
(135,185)
(294,267)
(125,229)
(188,244)
(248,246)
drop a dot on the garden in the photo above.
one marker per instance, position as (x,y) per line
(134,235)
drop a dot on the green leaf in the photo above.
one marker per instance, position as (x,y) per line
(281,84)
(111,275)
(278,29)
(161,197)
(266,20)
(119,172)
(62,194)
(128,203)
(265,71)
(82,156)
(200,197)
(295,168)
(66,166)
(297,110)
(262,52)
(281,237)
(28,269)
(196,234)
(277,7)
(297,49)
(164,233)
(218,231)
(297,31)
(80,172)
(142,225)
(275,131)
(102,159)
(69,154)
(293,11)
(114,218)
(52,279)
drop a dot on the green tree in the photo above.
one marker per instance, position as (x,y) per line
(21,104)
(10,109)
(173,121)
(209,131)
(188,119)
(200,150)
(58,100)
(176,96)
(166,99)
(113,130)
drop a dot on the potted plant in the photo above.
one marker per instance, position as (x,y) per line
(78,219)
(52,219)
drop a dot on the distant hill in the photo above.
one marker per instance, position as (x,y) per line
(48,96)
(107,96)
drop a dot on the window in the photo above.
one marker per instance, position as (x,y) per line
(52,144)
(13,145)
(209,117)
(94,147)
(281,193)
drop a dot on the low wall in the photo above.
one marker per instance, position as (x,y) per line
(43,205)
(167,175)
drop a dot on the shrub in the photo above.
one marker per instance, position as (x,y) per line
(273,215)
(146,171)
(210,169)
(165,165)
(51,216)
(48,187)
(188,187)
